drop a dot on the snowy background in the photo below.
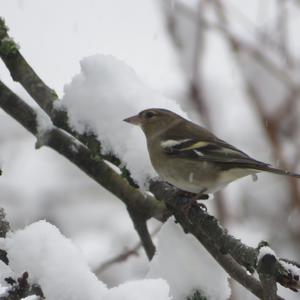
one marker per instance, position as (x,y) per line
(83,49)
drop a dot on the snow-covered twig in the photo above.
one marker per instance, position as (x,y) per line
(292,280)
(272,269)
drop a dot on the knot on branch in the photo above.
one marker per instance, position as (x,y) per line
(272,269)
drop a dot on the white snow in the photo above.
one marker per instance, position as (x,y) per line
(98,99)
(3,291)
(32,297)
(149,289)
(186,266)
(54,263)
(265,250)
(44,123)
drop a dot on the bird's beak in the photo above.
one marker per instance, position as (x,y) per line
(135,120)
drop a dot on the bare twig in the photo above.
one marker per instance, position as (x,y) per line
(271,129)
(123,256)
(282,29)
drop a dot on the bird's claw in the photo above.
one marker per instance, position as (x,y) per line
(187,207)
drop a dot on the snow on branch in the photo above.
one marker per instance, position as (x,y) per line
(80,155)
(272,269)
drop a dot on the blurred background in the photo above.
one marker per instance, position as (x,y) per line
(233,65)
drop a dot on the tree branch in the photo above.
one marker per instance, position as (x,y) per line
(22,72)
(81,156)
(140,224)
(45,97)
(228,251)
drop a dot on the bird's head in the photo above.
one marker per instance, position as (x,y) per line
(154,120)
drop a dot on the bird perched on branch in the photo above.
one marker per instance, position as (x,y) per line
(190,157)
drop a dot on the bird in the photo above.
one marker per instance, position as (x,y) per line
(192,158)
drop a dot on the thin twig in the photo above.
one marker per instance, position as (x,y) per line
(123,256)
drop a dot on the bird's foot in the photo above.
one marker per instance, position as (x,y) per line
(187,207)
(192,202)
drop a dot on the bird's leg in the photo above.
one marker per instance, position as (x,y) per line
(193,202)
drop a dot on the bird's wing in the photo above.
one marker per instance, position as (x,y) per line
(215,151)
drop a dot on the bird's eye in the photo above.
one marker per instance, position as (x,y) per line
(149,114)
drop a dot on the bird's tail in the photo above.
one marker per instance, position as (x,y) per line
(279,171)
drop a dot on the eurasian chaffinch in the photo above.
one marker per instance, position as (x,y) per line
(190,157)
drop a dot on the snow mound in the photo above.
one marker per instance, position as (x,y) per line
(54,263)
(99,98)
(183,262)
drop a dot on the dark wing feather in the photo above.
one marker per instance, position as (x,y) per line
(217,151)
(204,146)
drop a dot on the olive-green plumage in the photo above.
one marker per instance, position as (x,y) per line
(192,158)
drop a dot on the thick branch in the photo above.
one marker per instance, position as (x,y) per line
(201,222)
(22,72)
